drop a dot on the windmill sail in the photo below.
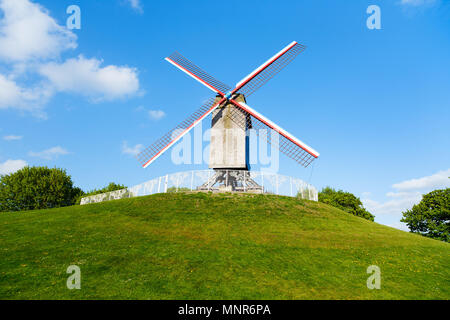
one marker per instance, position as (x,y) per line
(198,74)
(287,143)
(268,69)
(151,153)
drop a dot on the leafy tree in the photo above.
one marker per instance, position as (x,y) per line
(345,201)
(431,216)
(37,188)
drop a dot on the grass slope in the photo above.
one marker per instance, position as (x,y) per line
(214,246)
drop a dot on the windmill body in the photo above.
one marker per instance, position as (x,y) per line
(229,149)
(229,142)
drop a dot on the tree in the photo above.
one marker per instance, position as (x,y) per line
(345,201)
(431,216)
(37,188)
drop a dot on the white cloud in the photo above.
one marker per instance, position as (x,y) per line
(27,32)
(88,78)
(49,154)
(10,93)
(134,151)
(156,114)
(395,206)
(31,42)
(440,179)
(408,193)
(24,99)
(152,114)
(12,137)
(11,166)
(391,211)
(136,5)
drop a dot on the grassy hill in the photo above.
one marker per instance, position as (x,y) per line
(214,246)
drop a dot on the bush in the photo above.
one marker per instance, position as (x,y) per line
(345,201)
(431,216)
(37,188)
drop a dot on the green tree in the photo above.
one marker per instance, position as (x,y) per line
(345,201)
(431,216)
(37,188)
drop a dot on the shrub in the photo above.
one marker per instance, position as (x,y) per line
(37,188)
(345,201)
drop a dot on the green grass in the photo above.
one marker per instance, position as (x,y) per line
(214,246)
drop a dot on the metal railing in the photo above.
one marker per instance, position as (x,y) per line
(196,180)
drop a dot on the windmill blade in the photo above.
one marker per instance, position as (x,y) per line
(268,69)
(151,153)
(288,144)
(198,74)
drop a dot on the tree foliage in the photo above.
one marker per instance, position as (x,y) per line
(431,216)
(345,201)
(37,188)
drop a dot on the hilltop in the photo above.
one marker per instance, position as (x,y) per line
(214,246)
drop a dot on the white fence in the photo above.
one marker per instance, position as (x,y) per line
(271,183)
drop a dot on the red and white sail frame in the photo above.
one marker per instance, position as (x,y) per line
(154,151)
(253,74)
(197,73)
(276,128)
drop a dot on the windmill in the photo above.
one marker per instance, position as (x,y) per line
(231,113)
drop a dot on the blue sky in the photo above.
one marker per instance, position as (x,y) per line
(374,103)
